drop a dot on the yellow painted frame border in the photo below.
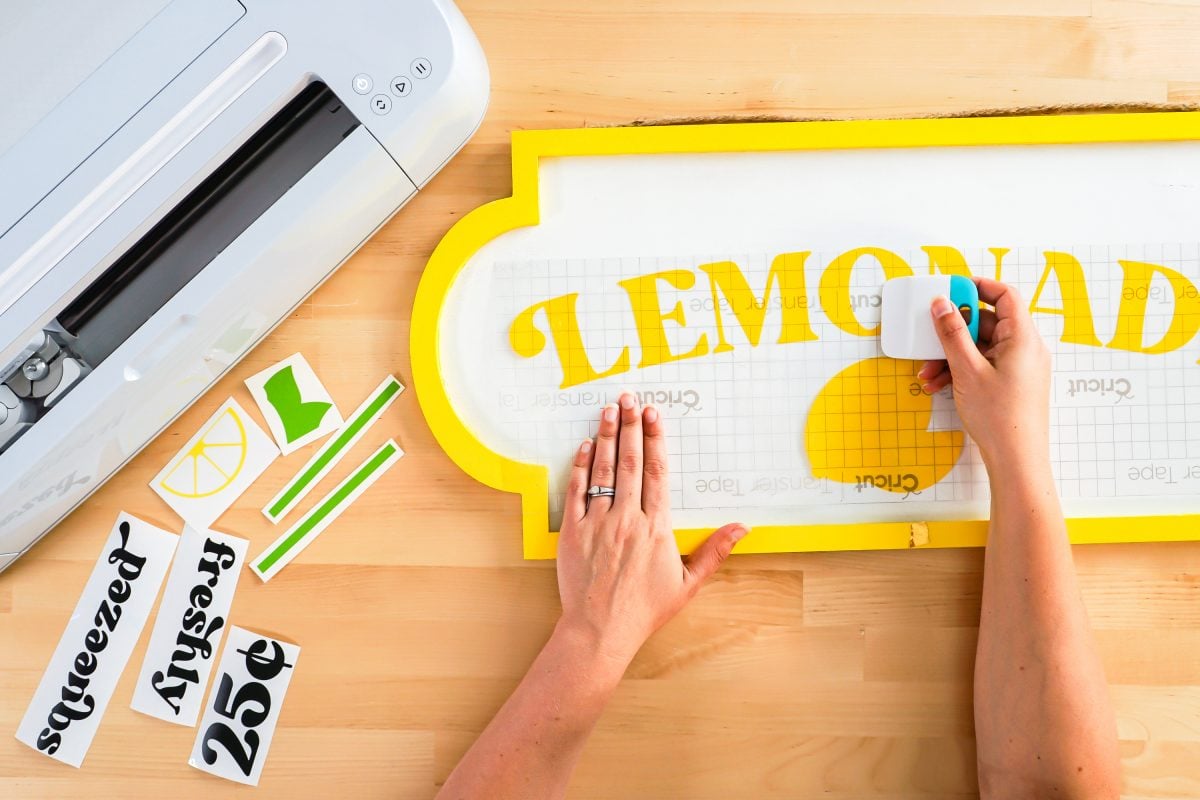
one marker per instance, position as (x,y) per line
(489,221)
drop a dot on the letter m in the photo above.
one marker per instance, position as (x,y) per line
(787,271)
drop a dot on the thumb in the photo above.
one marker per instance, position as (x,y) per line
(708,557)
(961,352)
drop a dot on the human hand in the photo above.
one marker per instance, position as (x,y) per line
(620,575)
(1001,387)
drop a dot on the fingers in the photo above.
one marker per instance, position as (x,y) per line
(709,556)
(937,382)
(961,352)
(987,325)
(577,484)
(934,376)
(656,490)
(1003,297)
(629,453)
(931,369)
(604,459)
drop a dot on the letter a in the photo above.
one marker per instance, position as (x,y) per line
(1078,327)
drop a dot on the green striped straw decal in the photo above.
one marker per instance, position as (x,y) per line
(334,449)
(330,508)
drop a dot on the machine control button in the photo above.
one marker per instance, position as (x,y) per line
(401,85)
(421,68)
(381,104)
(363,83)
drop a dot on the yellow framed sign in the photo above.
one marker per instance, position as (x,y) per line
(730,275)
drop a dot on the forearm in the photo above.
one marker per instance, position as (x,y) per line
(532,745)
(1043,717)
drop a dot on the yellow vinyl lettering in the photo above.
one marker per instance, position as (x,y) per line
(1131,315)
(563,320)
(999,253)
(787,270)
(1078,327)
(649,317)
(946,260)
(834,288)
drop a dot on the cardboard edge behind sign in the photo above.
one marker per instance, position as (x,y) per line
(493,219)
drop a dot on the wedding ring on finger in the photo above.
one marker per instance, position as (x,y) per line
(600,491)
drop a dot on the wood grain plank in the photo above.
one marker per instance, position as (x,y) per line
(842,675)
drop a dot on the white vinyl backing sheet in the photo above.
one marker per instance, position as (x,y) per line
(70,701)
(191,621)
(243,706)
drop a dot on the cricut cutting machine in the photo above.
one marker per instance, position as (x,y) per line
(195,186)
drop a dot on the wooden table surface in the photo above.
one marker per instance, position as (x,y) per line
(833,675)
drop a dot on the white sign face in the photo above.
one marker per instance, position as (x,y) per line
(239,722)
(740,292)
(212,470)
(191,621)
(295,404)
(70,701)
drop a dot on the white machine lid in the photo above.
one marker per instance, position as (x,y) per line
(39,78)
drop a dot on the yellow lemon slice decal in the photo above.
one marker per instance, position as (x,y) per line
(869,427)
(212,462)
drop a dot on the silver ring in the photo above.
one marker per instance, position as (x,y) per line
(601,491)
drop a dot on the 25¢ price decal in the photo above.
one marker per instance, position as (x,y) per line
(235,733)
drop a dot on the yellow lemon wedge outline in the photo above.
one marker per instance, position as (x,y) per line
(198,451)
